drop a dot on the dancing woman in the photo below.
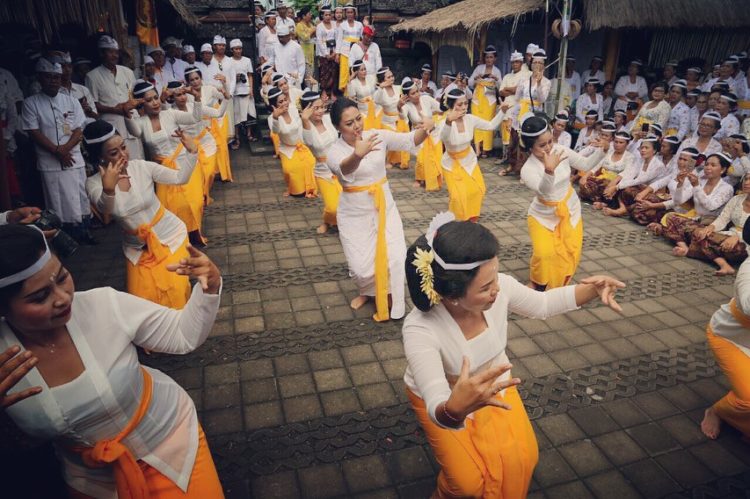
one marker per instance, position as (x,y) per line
(458,375)
(297,162)
(218,125)
(153,236)
(460,164)
(69,370)
(370,227)
(319,133)
(555,223)
(428,172)
(168,144)
(729,337)
(361,89)
(390,99)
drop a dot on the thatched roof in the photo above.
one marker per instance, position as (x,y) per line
(468,16)
(185,13)
(666,14)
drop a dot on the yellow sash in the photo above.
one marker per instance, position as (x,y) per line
(525,107)
(344,65)
(371,119)
(457,174)
(564,229)
(155,251)
(381,248)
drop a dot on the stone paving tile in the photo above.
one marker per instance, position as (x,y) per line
(302,397)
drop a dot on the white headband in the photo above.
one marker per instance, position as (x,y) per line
(103,138)
(31,270)
(143,90)
(438,221)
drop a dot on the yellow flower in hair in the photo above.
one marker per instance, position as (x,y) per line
(423,262)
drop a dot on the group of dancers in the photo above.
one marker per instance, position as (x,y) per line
(70,370)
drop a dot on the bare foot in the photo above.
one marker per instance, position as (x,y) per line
(680,250)
(711,424)
(286,194)
(310,195)
(417,184)
(725,270)
(388,166)
(358,302)
(322,228)
(598,205)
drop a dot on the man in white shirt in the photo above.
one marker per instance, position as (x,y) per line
(188,55)
(174,67)
(242,99)
(13,102)
(668,73)
(288,57)
(284,19)
(367,51)
(572,78)
(111,86)
(54,121)
(679,116)
(78,92)
(267,39)
(160,75)
(225,77)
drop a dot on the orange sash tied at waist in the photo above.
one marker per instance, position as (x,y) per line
(129,479)
(155,251)
(375,190)
(563,234)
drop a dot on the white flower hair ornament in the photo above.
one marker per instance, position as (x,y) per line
(423,259)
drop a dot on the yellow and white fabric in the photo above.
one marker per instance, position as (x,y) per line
(359,218)
(362,93)
(106,326)
(329,186)
(706,205)
(297,162)
(459,163)
(430,152)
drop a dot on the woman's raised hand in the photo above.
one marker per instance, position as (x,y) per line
(552,160)
(111,174)
(606,287)
(455,114)
(306,113)
(363,147)
(13,367)
(471,393)
(187,141)
(199,267)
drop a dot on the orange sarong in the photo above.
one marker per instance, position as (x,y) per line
(149,278)
(734,407)
(138,480)
(492,457)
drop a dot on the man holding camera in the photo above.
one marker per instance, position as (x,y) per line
(54,121)
(243,100)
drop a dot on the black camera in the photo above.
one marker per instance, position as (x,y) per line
(632,106)
(241,78)
(331,44)
(61,243)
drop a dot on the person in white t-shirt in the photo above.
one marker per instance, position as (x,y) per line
(243,99)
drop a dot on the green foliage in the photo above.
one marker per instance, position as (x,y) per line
(298,4)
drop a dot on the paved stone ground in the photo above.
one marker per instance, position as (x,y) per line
(302,397)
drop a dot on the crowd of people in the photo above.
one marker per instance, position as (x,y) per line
(144,151)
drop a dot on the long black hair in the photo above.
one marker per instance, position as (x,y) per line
(455,242)
(20,248)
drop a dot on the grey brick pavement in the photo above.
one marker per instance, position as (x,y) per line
(302,397)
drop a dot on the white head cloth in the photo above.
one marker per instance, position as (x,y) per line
(30,270)
(438,221)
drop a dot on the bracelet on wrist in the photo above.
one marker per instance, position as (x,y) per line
(450,417)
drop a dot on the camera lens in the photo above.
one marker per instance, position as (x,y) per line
(63,245)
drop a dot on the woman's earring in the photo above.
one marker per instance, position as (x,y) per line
(455,303)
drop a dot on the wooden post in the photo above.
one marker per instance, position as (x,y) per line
(482,40)
(612,41)
(435,69)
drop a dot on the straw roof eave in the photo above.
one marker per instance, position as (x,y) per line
(185,13)
(467,16)
(666,14)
